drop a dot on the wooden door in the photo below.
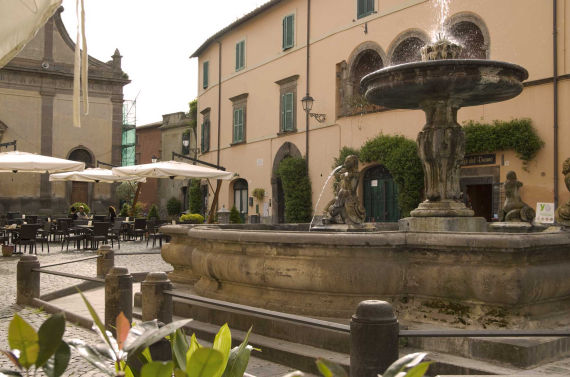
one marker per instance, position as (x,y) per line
(79,192)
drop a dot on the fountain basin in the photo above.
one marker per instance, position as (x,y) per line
(466,82)
(464,279)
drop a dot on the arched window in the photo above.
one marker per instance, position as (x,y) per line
(471,37)
(240,197)
(366,62)
(83,155)
(408,50)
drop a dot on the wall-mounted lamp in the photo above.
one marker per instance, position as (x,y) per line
(154,159)
(307,102)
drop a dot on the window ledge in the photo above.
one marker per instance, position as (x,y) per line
(284,133)
(237,143)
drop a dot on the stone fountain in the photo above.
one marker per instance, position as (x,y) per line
(440,85)
(440,267)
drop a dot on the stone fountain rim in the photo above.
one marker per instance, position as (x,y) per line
(443,63)
(510,242)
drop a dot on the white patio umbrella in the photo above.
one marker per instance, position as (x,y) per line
(94,175)
(173,170)
(24,162)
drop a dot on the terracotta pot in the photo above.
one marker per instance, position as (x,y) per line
(7,250)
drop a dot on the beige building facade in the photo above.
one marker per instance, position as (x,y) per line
(36,111)
(254,73)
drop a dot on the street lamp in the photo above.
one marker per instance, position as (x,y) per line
(154,159)
(185,143)
(307,102)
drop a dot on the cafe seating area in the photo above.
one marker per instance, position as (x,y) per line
(27,232)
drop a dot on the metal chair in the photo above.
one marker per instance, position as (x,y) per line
(152,232)
(139,229)
(114,233)
(43,234)
(27,236)
(68,235)
(100,233)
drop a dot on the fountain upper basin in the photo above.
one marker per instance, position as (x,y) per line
(467,82)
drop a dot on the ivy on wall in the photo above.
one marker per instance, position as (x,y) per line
(400,156)
(517,134)
(195,196)
(296,189)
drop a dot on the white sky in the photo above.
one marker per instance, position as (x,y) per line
(156,39)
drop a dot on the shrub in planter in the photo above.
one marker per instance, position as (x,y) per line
(173,206)
(192,218)
(297,190)
(125,210)
(195,202)
(235,217)
(153,212)
(76,205)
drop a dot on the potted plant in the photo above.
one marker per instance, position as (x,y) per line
(7,250)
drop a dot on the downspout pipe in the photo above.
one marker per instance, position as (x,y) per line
(307,84)
(219,100)
(555,88)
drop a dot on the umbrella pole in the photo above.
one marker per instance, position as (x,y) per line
(136,198)
(214,206)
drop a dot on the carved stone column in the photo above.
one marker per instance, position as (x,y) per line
(441,146)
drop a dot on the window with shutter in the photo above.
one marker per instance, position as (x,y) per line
(205,136)
(240,55)
(288,31)
(238,125)
(364,8)
(205,74)
(287,123)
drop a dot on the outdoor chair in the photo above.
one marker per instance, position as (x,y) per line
(139,229)
(69,236)
(31,219)
(152,232)
(114,233)
(62,226)
(43,234)
(27,236)
(99,218)
(99,233)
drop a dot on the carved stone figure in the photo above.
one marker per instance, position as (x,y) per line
(514,208)
(346,208)
(562,215)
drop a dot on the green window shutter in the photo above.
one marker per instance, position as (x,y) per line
(240,55)
(288,31)
(287,112)
(238,125)
(205,74)
(364,8)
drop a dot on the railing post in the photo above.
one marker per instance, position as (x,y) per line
(118,296)
(105,260)
(156,304)
(373,338)
(27,281)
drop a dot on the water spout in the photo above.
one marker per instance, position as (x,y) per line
(321,194)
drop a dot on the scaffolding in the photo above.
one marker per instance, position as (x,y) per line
(128,143)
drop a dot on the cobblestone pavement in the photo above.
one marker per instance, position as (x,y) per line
(51,283)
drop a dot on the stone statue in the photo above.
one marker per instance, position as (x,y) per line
(562,215)
(346,208)
(514,208)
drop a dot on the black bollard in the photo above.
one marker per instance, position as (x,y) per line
(373,338)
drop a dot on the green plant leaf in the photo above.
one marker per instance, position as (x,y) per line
(205,362)
(194,345)
(179,373)
(238,359)
(419,370)
(150,337)
(7,372)
(157,369)
(128,372)
(56,365)
(49,337)
(223,343)
(146,354)
(13,358)
(330,369)
(23,337)
(179,348)
(92,356)
(408,361)
(96,320)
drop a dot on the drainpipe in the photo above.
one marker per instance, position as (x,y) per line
(306,112)
(555,86)
(219,99)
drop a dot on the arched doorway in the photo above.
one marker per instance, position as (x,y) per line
(278,197)
(80,190)
(240,197)
(380,195)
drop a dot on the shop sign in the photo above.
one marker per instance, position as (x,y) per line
(544,213)
(479,159)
